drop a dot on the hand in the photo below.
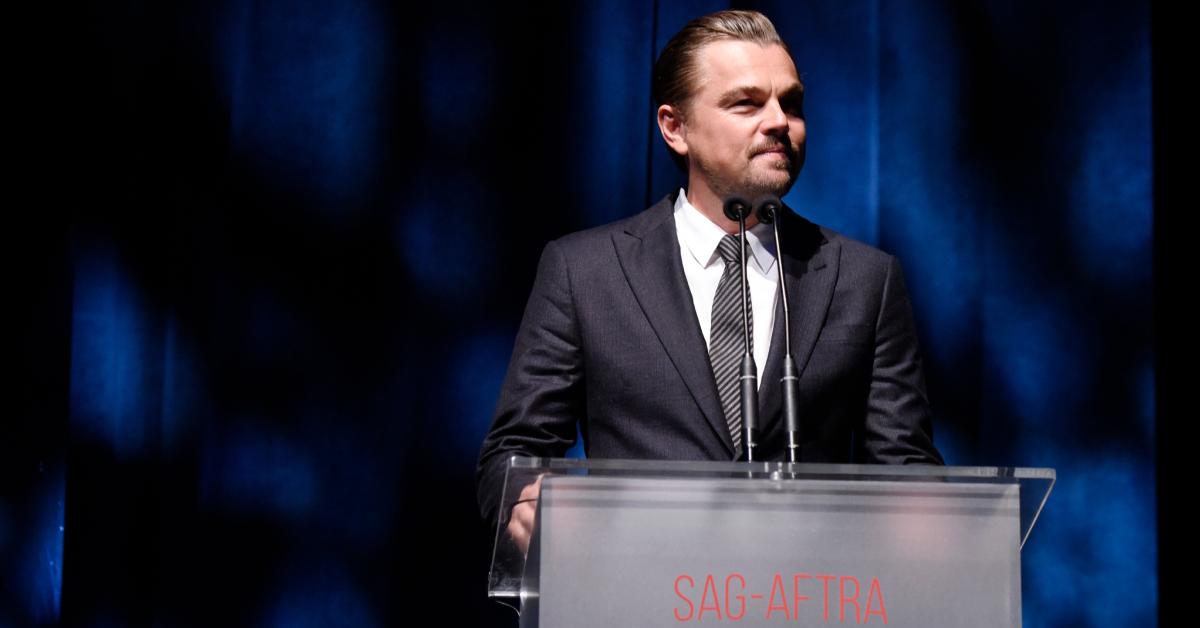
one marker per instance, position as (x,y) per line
(520,525)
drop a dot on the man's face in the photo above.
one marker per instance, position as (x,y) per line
(744,126)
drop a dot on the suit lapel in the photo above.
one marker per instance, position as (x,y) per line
(810,264)
(648,251)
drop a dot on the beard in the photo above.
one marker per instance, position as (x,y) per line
(766,175)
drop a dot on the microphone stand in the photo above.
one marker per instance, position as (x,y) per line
(768,209)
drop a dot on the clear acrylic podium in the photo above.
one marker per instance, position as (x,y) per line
(658,543)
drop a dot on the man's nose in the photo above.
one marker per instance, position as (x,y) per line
(775,119)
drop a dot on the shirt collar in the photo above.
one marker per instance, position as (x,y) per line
(700,236)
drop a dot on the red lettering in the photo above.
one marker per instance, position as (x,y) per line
(849,592)
(796,597)
(740,598)
(777,585)
(692,585)
(843,600)
(824,578)
(876,591)
(709,585)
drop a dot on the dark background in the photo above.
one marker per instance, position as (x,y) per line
(269,258)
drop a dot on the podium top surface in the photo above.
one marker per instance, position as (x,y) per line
(798,471)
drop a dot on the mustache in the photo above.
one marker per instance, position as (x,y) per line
(787,148)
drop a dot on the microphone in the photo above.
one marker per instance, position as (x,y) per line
(738,209)
(768,208)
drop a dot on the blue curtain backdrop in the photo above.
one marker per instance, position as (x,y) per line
(282,248)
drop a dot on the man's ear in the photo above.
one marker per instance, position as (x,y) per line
(670,123)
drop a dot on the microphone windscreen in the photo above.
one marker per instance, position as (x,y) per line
(767,207)
(736,208)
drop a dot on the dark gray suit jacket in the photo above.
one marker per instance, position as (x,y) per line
(610,341)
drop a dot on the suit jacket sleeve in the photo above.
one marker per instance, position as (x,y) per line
(542,397)
(898,426)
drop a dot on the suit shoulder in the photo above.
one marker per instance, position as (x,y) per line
(858,253)
(590,237)
(597,239)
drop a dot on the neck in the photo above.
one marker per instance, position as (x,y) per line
(713,206)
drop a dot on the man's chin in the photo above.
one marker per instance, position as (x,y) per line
(776,183)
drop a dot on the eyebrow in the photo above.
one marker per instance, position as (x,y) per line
(731,96)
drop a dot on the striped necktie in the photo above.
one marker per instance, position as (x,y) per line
(726,343)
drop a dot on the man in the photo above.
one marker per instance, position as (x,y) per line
(628,326)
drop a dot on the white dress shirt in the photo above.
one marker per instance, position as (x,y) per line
(702,265)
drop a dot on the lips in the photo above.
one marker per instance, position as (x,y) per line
(773,150)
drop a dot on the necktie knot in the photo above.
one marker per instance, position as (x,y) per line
(730,250)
